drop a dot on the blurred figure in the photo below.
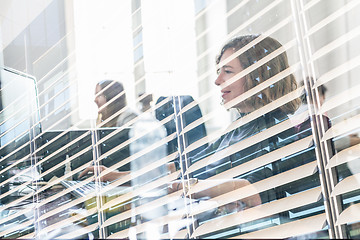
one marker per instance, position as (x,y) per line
(177,124)
(345,141)
(110,98)
(145,101)
(114,112)
(145,133)
(322,92)
(304,129)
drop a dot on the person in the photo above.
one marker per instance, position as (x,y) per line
(233,84)
(110,98)
(304,128)
(145,130)
(113,111)
(322,92)
(145,101)
(339,144)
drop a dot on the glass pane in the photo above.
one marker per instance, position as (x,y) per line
(180,119)
(19,125)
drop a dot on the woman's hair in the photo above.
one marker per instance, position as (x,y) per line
(264,72)
(116,90)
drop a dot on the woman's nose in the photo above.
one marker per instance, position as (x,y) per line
(219,80)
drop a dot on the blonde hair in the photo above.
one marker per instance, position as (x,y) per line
(264,72)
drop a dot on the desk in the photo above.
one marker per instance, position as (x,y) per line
(40,213)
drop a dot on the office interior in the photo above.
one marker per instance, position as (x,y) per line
(54,53)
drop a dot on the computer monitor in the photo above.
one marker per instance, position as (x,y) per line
(19,118)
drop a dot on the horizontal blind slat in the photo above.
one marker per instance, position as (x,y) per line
(143,208)
(245,143)
(336,72)
(287,230)
(68,221)
(182,234)
(336,43)
(342,127)
(79,232)
(128,196)
(255,188)
(134,156)
(265,159)
(346,185)
(350,214)
(344,156)
(326,21)
(258,212)
(17,227)
(343,97)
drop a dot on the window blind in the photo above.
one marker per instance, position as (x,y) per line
(195,162)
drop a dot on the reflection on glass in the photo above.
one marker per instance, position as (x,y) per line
(235,159)
(19,124)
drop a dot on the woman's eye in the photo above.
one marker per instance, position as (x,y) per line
(223,70)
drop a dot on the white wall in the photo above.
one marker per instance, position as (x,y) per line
(103,46)
(169,47)
(16,15)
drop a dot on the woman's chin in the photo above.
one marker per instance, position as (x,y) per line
(241,107)
(228,105)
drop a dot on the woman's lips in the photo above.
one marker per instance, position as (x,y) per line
(225,93)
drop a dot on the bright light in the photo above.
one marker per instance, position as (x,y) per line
(103,45)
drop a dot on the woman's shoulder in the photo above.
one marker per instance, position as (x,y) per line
(126,116)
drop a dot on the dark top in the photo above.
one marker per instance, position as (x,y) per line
(257,149)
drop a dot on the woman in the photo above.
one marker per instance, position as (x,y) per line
(144,132)
(110,98)
(242,65)
(113,111)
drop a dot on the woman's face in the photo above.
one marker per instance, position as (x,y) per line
(100,99)
(226,72)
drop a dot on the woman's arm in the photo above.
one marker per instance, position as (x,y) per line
(111,176)
(224,187)
(228,186)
